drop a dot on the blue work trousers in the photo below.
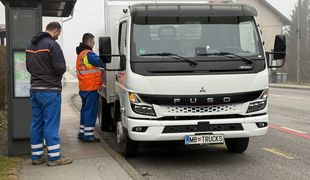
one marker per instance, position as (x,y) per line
(45,124)
(88,115)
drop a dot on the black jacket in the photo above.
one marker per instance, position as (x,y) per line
(81,48)
(46,63)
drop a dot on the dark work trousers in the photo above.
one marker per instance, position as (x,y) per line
(88,115)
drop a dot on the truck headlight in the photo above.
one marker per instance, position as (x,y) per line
(140,107)
(259,103)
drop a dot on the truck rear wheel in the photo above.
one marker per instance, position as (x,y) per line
(104,114)
(237,145)
(130,147)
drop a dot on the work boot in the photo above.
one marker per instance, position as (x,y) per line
(91,140)
(61,161)
(40,161)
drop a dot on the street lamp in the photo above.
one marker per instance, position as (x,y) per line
(298,43)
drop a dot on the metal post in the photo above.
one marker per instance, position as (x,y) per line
(9,76)
(39,7)
(298,42)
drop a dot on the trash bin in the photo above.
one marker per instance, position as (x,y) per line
(273,77)
(279,77)
(284,77)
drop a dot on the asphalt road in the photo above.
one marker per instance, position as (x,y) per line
(283,153)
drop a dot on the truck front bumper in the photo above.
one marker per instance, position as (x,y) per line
(154,130)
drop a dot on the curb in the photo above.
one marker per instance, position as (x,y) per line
(284,86)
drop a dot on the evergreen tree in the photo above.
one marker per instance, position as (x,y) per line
(291,42)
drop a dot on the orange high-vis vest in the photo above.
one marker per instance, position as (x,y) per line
(89,76)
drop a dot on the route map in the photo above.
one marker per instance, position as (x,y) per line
(21,75)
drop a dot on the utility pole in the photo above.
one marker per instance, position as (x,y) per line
(298,42)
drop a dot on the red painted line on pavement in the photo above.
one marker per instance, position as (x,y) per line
(290,131)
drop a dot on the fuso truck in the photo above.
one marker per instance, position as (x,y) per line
(184,71)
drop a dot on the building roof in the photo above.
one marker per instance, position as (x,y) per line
(53,8)
(283,18)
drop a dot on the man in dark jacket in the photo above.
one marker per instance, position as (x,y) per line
(46,64)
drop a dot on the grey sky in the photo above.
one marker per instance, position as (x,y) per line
(284,6)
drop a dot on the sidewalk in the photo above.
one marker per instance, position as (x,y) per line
(90,160)
(288,86)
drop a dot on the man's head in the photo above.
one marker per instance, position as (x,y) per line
(89,39)
(54,29)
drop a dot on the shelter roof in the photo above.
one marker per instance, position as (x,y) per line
(53,8)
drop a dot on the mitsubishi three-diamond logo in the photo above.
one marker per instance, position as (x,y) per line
(202,89)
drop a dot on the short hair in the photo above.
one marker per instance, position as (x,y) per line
(52,26)
(87,37)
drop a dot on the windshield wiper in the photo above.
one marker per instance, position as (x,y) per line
(192,63)
(228,53)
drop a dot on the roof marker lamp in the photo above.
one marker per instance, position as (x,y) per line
(139,107)
(259,103)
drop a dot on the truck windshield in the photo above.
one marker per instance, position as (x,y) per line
(194,37)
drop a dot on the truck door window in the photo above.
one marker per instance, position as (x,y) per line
(122,37)
(248,36)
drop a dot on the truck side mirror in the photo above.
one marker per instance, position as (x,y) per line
(279,52)
(105,49)
(280,47)
(105,54)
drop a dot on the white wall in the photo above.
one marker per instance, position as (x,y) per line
(2,18)
(2,14)
(47,20)
(87,17)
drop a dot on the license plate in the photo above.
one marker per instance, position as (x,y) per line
(205,139)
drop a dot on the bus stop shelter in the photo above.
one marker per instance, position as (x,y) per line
(23,20)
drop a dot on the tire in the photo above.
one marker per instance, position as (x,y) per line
(104,114)
(130,147)
(119,133)
(237,145)
(117,116)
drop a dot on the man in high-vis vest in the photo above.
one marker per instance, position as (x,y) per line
(46,64)
(89,75)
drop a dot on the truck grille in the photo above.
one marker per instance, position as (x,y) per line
(194,128)
(201,110)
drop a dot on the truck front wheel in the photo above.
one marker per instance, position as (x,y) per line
(130,147)
(237,145)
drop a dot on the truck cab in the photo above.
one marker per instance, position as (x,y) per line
(192,72)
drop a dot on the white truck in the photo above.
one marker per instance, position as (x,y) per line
(186,71)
